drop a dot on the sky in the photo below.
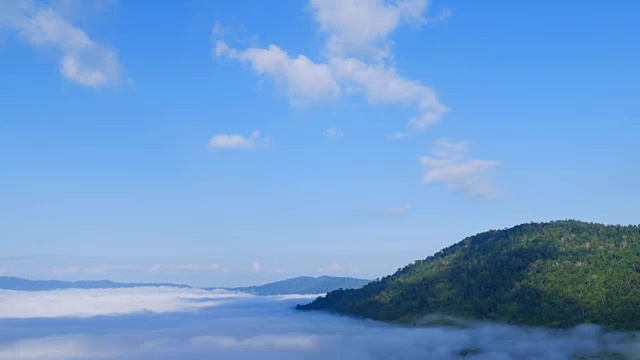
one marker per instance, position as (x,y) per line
(226,143)
(170,323)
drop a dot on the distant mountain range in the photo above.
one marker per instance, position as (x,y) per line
(14,283)
(557,274)
(303,285)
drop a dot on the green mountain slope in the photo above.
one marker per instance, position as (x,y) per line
(304,285)
(560,273)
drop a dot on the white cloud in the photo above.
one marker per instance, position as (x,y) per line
(381,84)
(256,267)
(64,347)
(94,302)
(441,17)
(238,142)
(261,342)
(196,267)
(218,29)
(333,133)
(172,268)
(399,135)
(332,268)
(83,60)
(258,327)
(356,52)
(401,209)
(361,27)
(304,81)
(67,270)
(448,165)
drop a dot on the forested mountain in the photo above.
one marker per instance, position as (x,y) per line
(304,285)
(560,273)
(14,283)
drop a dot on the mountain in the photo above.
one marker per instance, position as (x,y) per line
(14,283)
(299,285)
(557,274)
(304,285)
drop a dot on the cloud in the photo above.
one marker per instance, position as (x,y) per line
(64,347)
(333,133)
(356,59)
(401,209)
(250,327)
(360,28)
(256,267)
(448,165)
(238,142)
(303,80)
(377,212)
(67,270)
(95,302)
(399,135)
(303,343)
(443,16)
(381,84)
(172,268)
(332,268)
(82,60)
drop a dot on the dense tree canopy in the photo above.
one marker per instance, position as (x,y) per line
(560,273)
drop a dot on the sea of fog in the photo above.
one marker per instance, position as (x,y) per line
(170,323)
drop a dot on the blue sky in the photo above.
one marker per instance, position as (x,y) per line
(220,144)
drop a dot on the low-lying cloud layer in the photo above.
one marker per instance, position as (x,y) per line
(250,327)
(95,302)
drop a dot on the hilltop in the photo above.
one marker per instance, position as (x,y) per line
(558,274)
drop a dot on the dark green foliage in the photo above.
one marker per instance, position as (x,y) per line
(558,274)
(304,285)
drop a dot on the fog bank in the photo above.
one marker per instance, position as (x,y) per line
(164,323)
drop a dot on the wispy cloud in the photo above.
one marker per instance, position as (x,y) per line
(448,165)
(441,17)
(399,135)
(333,133)
(82,60)
(262,342)
(257,268)
(237,141)
(68,270)
(333,268)
(172,268)
(401,209)
(357,55)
